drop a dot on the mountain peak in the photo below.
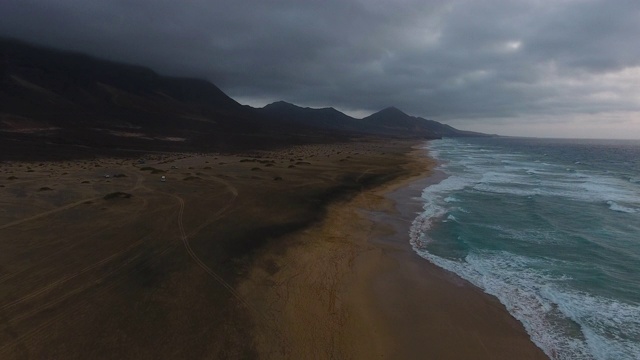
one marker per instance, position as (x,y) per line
(389,113)
(392,109)
(280,104)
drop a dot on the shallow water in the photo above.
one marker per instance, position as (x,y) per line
(551,228)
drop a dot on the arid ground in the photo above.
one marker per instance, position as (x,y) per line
(128,266)
(295,253)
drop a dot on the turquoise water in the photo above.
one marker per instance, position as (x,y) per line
(551,228)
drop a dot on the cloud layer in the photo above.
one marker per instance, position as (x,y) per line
(480,64)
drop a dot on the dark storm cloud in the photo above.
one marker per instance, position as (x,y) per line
(441,59)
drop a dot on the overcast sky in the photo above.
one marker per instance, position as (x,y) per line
(564,68)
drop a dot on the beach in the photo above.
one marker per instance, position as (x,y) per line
(351,287)
(298,252)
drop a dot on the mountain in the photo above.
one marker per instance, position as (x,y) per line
(54,101)
(387,122)
(324,118)
(393,121)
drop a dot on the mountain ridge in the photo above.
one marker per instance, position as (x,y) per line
(388,121)
(64,98)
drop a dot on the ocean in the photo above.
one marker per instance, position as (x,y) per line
(551,228)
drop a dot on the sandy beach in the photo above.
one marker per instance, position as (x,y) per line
(299,252)
(351,287)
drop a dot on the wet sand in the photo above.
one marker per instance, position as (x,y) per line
(351,287)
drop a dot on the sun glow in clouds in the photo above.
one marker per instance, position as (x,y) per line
(513,45)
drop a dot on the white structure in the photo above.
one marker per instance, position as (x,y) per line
(163,178)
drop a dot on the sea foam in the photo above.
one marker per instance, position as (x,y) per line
(553,293)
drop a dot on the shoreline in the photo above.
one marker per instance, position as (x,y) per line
(487,329)
(352,287)
(297,253)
